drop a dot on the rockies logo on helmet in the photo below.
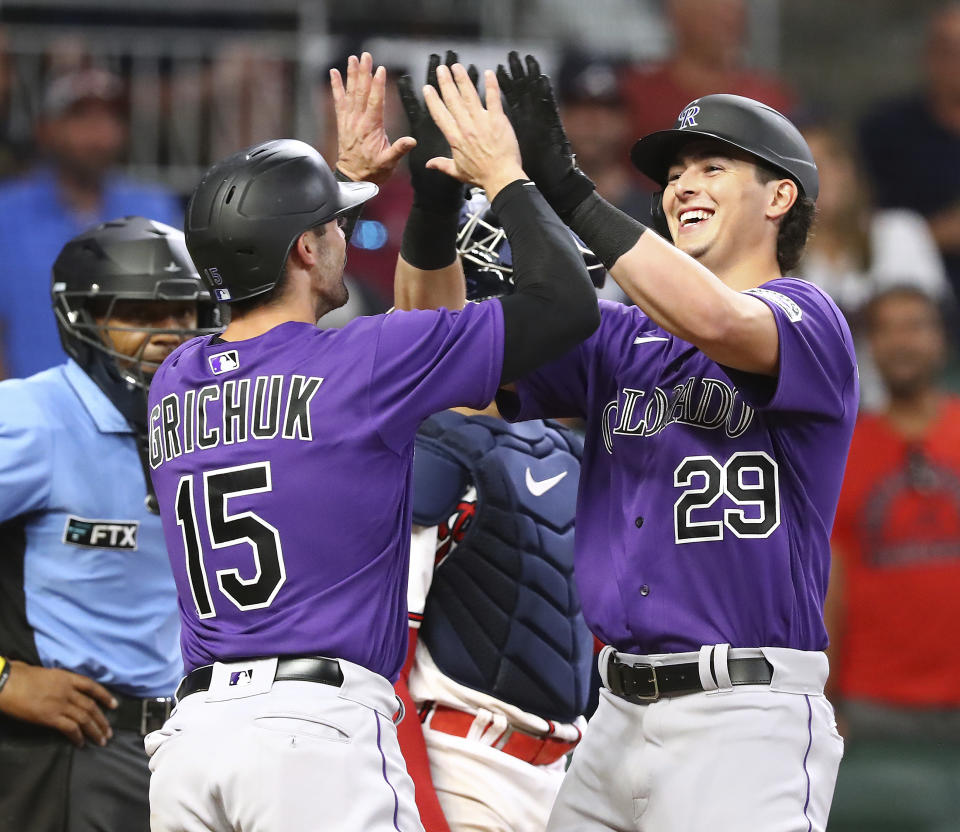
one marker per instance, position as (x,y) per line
(688,118)
(485,251)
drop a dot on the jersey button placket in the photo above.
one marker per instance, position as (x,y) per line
(644,589)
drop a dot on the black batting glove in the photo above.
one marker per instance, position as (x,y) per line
(432,190)
(547,155)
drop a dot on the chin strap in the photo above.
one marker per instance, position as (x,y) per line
(131,400)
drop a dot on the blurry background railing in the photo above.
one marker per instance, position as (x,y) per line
(207,77)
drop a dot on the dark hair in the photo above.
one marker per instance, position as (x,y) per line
(241,307)
(795,225)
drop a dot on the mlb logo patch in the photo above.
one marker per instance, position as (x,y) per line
(223,294)
(223,362)
(238,680)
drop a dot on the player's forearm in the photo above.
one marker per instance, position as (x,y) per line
(678,293)
(554,305)
(415,288)
(428,273)
(685,298)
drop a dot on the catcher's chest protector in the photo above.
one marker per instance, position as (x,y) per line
(503,615)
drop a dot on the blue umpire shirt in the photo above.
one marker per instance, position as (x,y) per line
(36,222)
(97,589)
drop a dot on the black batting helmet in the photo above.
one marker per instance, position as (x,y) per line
(738,122)
(250,208)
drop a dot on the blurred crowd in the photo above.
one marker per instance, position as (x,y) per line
(886,247)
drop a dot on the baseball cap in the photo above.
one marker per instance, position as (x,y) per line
(737,122)
(586,80)
(66,91)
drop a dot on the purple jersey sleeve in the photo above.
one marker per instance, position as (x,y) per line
(817,366)
(430,360)
(558,390)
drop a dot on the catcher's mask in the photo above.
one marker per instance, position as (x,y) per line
(128,259)
(485,251)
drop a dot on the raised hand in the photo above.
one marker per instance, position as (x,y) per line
(433,190)
(482,143)
(59,699)
(364,152)
(545,149)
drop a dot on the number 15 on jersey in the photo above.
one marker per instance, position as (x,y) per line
(223,530)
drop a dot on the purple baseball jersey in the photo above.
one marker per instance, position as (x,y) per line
(282,465)
(707,495)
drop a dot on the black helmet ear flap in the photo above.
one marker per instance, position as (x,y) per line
(659,217)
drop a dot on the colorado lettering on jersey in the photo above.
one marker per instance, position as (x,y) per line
(707,403)
(277,405)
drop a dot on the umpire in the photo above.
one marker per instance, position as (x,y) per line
(89,652)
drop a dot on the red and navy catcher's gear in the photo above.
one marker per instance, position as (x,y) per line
(736,121)
(503,615)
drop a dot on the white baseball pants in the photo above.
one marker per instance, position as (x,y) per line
(751,757)
(481,789)
(302,756)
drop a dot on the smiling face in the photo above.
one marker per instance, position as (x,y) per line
(718,208)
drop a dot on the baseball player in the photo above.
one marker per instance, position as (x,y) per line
(719,414)
(501,670)
(281,456)
(89,654)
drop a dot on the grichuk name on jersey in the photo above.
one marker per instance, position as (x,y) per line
(707,403)
(278,405)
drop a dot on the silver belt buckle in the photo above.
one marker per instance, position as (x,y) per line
(653,678)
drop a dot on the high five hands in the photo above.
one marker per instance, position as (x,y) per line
(364,152)
(483,145)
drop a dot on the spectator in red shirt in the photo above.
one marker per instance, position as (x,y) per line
(896,578)
(707,58)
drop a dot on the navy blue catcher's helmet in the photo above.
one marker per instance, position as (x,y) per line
(485,251)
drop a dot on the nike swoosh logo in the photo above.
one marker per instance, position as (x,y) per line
(538,489)
(643,339)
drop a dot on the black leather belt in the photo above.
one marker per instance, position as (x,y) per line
(645,683)
(140,715)
(300,669)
